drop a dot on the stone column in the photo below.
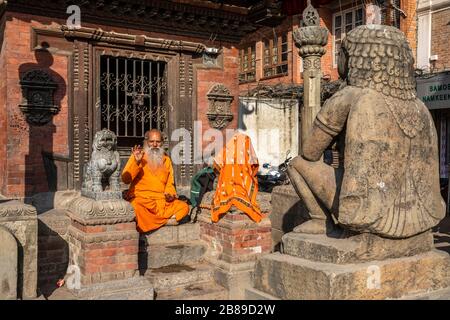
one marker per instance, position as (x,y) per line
(21,220)
(235,243)
(311,40)
(103,246)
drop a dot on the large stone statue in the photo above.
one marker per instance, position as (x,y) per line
(389,184)
(103,165)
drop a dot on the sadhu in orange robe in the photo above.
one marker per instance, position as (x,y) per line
(146,193)
(237,185)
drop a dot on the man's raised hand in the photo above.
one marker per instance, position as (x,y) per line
(138,153)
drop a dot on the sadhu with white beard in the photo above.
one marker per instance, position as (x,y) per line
(152,191)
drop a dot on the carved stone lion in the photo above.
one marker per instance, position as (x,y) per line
(104,163)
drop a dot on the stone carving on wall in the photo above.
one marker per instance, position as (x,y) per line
(37,91)
(390,184)
(219,110)
(103,168)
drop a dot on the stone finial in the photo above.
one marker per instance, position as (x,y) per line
(311,37)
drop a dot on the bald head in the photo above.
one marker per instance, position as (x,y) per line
(153,138)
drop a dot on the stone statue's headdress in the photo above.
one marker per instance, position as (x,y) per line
(379,57)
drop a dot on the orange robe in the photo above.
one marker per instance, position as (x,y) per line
(237,184)
(146,194)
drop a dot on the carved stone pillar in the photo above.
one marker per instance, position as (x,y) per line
(103,246)
(236,243)
(311,40)
(80,112)
(21,221)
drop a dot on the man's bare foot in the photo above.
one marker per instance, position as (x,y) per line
(313,226)
(60,283)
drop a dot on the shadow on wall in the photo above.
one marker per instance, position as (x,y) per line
(40,170)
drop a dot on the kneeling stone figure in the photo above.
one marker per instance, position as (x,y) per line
(389,184)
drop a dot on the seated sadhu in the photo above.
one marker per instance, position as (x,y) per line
(152,190)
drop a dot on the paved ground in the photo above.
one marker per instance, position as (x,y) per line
(442,242)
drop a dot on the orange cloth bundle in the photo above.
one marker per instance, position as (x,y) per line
(237,185)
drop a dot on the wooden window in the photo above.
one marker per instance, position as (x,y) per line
(343,22)
(247,64)
(276,56)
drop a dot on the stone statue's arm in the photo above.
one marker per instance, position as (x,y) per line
(170,185)
(131,170)
(329,122)
(316,143)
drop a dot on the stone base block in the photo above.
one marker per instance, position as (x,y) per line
(254,294)
(235,277)
(171,234)
(289,277)
(21,220)
(288,211)
(137,288)
(355,249)
(157,256)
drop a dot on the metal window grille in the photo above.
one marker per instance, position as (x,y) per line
(132,97)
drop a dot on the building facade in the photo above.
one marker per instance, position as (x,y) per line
(268,55)
(71,68)
(433,81)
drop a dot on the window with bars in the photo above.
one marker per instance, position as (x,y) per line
(275,56)
(343,22)
(247,64)
(132,97)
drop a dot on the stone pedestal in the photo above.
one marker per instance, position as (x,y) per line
(103,244)
(359,267)
(288,211)
(235,243)
(21,220)
(8,265)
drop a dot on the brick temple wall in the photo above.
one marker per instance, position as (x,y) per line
(21,161)
(440,29)
(409,24)
(3,113)
(25,173)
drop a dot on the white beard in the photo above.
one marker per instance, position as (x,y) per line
(155,157)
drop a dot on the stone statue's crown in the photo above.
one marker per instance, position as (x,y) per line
(380,58)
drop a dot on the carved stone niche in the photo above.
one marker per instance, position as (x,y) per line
(37,92)
(219,110)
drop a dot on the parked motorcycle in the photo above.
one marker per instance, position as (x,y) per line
(271,176)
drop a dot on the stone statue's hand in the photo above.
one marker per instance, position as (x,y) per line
(138,153)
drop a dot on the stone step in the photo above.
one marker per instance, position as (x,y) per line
(292,278)
(171,233)
(194,291)
(255,294)
(137,288)
(161,255)
(178,275)
(354,249)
